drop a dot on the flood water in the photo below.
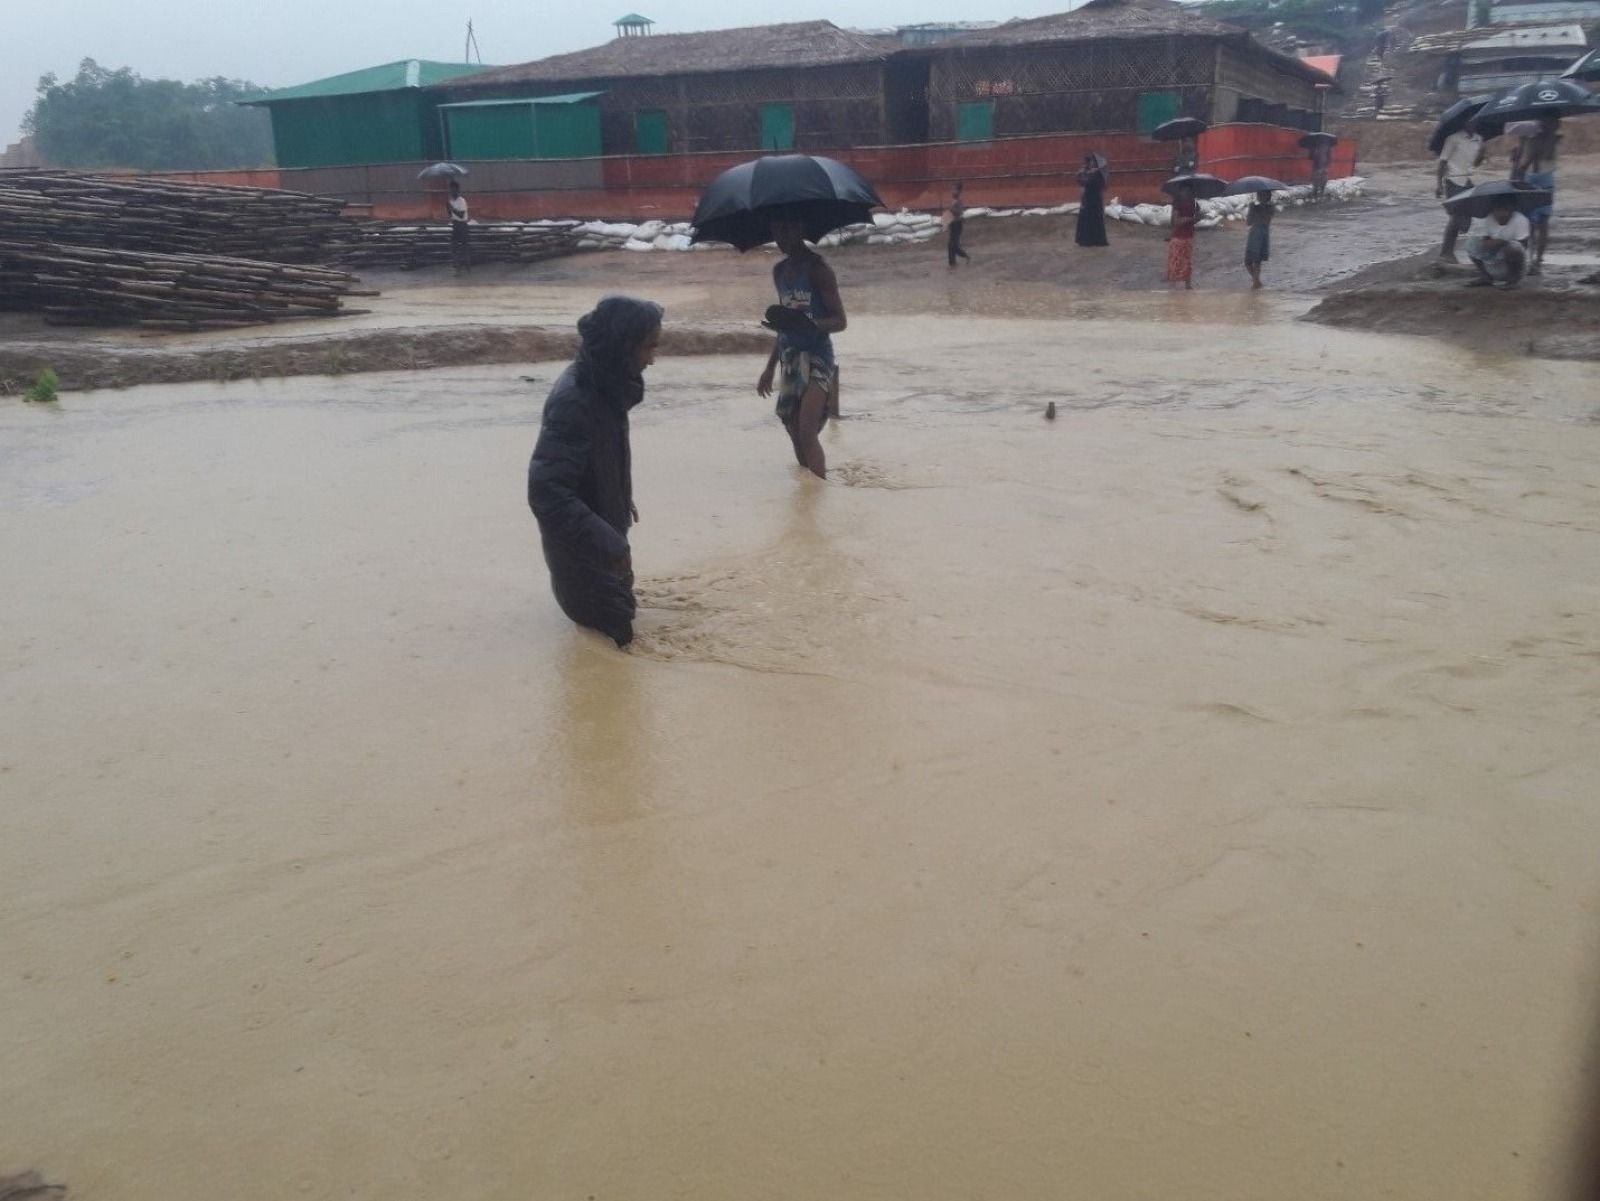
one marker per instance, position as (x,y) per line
(1191,797)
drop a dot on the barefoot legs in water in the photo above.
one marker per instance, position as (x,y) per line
(803,432)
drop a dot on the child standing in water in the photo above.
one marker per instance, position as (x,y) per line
(805,283)
(1180,242)
(1258,244)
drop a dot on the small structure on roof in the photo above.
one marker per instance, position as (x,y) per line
(633,26)
(382,114)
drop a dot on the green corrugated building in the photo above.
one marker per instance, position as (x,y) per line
(541,127)
(378,115)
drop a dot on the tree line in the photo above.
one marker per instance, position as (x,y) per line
(106,118)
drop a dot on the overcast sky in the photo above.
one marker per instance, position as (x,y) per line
(280,42)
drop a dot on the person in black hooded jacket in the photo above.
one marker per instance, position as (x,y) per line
(580,482)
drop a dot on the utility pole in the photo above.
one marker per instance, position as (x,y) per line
(471,46)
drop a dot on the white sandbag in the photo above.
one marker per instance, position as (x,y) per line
(649,231)
(884,220)
(637,244)
(979,210)
(880,240)
(672,242)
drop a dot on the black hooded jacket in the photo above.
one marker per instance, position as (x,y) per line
(580,482)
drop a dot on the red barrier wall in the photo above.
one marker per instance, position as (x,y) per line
(1027,171)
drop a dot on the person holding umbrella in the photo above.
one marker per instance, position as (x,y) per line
(1180,242)
(1459,156)
(1258,241)
(807,313)
(460,233)
(793,199)
(1496,245)
(1534,162)
(1319,148)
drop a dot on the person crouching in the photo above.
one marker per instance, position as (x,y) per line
(1497,246)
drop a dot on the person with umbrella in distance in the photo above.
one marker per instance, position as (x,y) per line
(1180,242)
(1258,239)
(580,481)
(1459,156)
(801,365)
(1496,244)
(460,232)
(1319,149)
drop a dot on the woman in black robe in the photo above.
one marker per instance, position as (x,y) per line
(1092,212)
(580,482)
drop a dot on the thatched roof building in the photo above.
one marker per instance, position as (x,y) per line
(1109,65)
(788,47)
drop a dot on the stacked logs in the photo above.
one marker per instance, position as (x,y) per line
(406,247)
(86,285)
(169,217)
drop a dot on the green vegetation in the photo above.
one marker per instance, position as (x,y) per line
(104,118)
(44,387)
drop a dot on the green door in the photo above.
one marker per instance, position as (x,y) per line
(777,127)
(1157,108)
(566,130)
(650,131)
(975,121)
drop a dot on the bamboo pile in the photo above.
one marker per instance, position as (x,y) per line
(404,247)
(167,217)
(87,285)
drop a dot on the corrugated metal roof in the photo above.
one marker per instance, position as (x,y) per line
(800,44)
(1559,36)
(569,98)
(389,77)
(1328,64)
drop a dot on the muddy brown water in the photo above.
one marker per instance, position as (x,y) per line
(1189,797)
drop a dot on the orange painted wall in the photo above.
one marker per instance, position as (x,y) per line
(1027,171)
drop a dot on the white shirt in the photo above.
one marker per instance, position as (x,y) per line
(458,209)
(1460,156)
(1515,230)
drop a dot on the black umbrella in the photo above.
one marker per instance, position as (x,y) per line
(1454,119)
(1586,68)
(1254,183)
(1544,98)
(1480,201)
(1179,128)
(737,207)
(1307,141)
(443,171)
(1206,187)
